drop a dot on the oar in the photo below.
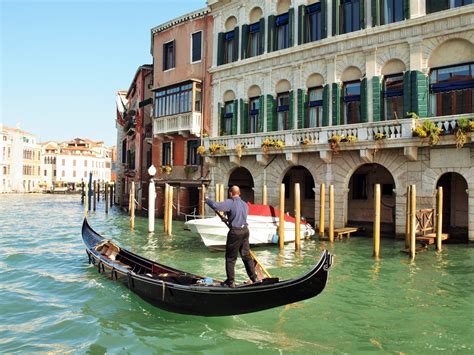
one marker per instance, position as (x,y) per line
(254,257)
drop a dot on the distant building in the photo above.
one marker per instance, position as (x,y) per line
(119,163)
(20,162)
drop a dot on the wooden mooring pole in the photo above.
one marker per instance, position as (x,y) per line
(377,221)
(439,219)
(111,194)
(297,216)
(86,201)
(223,193)
(132,205)
(165,209)
(331,213)
(170,210)
(202,206)
(322,196)
(218,191)
(408,219)
(94,197)
(264,195)
(281,222)
(89,195)
(151,205)
(82,191)
(106,191)
(413,222)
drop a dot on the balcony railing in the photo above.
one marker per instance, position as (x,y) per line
(183,123)
(394,131)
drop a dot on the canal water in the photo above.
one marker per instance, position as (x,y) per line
(51,300)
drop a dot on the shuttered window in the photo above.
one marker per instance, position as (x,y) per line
(229,45)
(282,30)
(440,5)
(351,108)
(254,115)
(196,47)
(315,107)
(393,96)
(169,55)
(350,15)
(313,22)
(283,111)
(228,118)
(166,154)
(254,45)
(193,158)
(391,11)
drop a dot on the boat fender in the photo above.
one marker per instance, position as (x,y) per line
(275,239)
(163,291)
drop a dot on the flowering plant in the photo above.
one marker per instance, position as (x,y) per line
(167,169)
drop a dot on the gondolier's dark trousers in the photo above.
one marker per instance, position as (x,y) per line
(238,241)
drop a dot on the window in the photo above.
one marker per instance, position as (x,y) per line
(228,118)
(168,55)
(166,157)
(85,174)
(451,90)
(74,162)
(254,113)
(196,47)
(85,163)
(197,98)
(351,102)
(313,22)
(283,111)
(193,158)
(229,47)
(124,151)
(350,16)
(440,5)
(173,100)
(391,11)
(359,187)
(63,173)
(74,173)
(64,162)
(282,31)
(253,46)
(315,108)
(393,96)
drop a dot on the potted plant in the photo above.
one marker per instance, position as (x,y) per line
(306,141)
(427,128)
(379,136)
(201,150)
(334,142)
(216,148)
(190,169)
(239,148)
(266,144)
(167,169)
(463,126)
(351,138)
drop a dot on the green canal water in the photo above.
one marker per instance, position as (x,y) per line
(51,300)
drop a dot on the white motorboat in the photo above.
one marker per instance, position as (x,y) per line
(263,227)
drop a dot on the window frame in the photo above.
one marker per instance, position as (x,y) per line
(285,110)
(192,48)
(192,156)
(385,116)
(308,21)
(250,127)
(318,104)
(167,66)
(284,27)
(172,100)
(166,154)
(383,11)
(228,118)
(229,46)
(343,101)
(342,6)
(251,36)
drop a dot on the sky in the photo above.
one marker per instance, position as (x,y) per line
(62,61)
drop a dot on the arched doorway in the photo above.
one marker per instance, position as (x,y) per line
(361,198)
(243,179)
(455,206)
(299,174)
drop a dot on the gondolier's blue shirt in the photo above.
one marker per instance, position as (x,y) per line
(236,209)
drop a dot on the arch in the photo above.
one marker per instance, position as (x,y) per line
(360,198)
(393,66)
(243,178)
(300,174)
(450,52)
(229,95)
(283,6)
(314,80)
(283,86)
(230,23)
(455,205)
(254,91)
(350,74)
(255,14)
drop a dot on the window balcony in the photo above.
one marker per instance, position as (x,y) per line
(182,123)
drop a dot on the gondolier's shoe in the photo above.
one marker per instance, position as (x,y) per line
(254,279)
(228,283)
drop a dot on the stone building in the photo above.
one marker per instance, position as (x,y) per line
(334,81)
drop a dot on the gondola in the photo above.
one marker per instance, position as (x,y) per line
(181,292)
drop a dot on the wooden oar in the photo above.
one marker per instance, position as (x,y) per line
(253,256)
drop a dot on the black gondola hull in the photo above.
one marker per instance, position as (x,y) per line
(204,300)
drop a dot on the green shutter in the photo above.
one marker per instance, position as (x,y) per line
(246,117)
(305,108)
(419,93)
(242,119)
(291,26)
(326,99)
(261,113)
(362,14)
(270,114)
(292,107)
(234,117)
(364,114)
(301,13)
(300,108)
(406,9)
(245,40)
(406,93)
(375,12)
(271,33)
(324,19)
(262,36)
(336,104)
(335,17)
(376,99)
(220,110)
(236,44)
(220,48)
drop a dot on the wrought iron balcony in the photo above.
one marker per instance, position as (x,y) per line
(182,123)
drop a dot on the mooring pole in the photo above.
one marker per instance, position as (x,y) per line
(281,225)
(218,192)
(106,191)
(331,213)
(413,222)
(89,195)
(439,219)
(111,194)
(132,204)
(223,193)
(95,191)
(203,200)
(322,196)
(86,200)
(377,221)
(297,216)
(264,195)
(170,210)
(408,219)
(165,210)
(98,190)
(82,191)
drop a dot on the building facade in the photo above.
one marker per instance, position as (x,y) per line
(349,93)
(20,161)
(182,56)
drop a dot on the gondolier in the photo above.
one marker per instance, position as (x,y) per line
(238,235)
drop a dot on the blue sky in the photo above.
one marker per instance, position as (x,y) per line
(62,61)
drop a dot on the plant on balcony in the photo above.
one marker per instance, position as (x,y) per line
(269,143)
(379,136)
(427,128)
(201,150)
(306,141)
(351,138)
(215,148)
(279,144)
(238,149)
(334,142)
(166,169)
(190,169)
(412,115)
(464,125)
